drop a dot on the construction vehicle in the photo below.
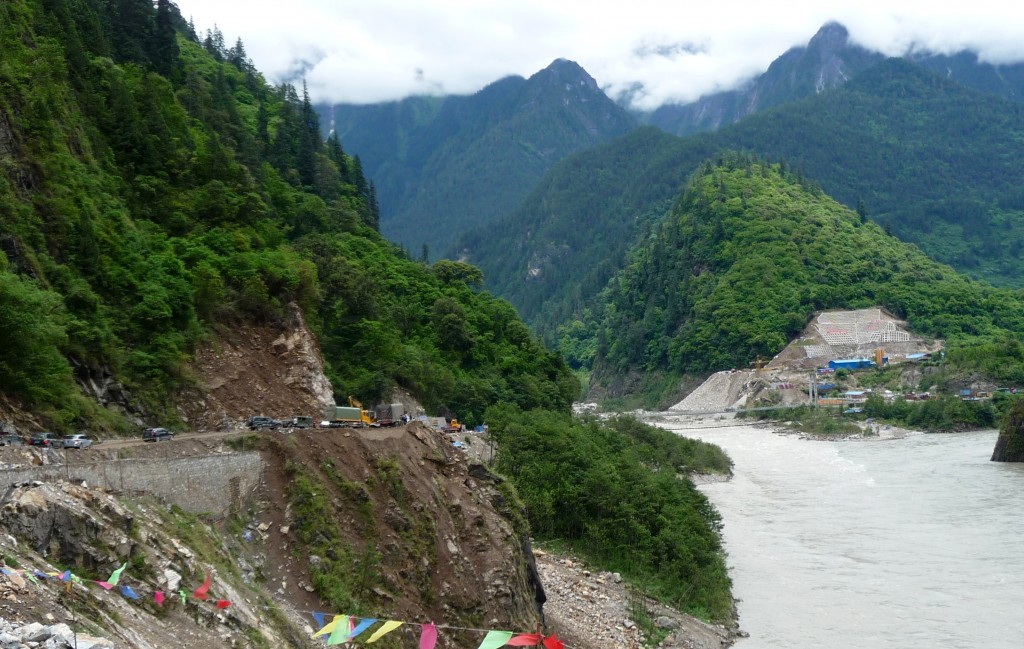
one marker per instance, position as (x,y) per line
(367,417)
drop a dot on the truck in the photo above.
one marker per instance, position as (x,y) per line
(338,416)
(390,414)
(351,415)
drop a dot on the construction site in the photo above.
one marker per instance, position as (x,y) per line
(805,371)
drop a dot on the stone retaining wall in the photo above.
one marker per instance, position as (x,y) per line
(213,484)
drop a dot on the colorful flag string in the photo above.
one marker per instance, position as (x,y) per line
(341,628)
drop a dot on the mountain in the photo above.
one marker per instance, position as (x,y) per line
(932,161)
(751,252)
(156,192)
(444,165)
(827,61)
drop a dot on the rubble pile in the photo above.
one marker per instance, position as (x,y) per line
(56,636)
(596,610)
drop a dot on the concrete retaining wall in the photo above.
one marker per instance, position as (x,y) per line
(213,484)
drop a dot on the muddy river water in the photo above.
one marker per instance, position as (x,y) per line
(915,543)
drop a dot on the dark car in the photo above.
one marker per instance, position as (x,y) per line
(256,423)
(50,440)
(10,439)
(156,434)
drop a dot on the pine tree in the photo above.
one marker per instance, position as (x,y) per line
(164,50)
(309,141)
(373,208)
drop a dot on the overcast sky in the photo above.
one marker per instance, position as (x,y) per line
(364,51)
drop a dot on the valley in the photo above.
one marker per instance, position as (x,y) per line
(831,251)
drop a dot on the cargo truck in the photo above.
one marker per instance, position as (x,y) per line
(338,416)
(390,414)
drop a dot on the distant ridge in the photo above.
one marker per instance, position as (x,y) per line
(445,165)
(828,60)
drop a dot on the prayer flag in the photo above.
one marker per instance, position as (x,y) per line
(183,596)
(330,626)
(116,575)
(201,591)
(525,640)
(428,637)
(129,593)
(223,603)
(553,642)
(385,629)
(495,639)
(158,597)
(105,584)
(362,626)
(321,619)
(66,576)
(341,631)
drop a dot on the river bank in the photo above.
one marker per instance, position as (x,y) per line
(598,610)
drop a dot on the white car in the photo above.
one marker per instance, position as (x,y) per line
(77,440)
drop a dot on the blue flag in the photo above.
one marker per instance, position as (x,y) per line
(321,619)
(129,593)
(362,626)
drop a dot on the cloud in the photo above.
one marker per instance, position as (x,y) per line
(363,52)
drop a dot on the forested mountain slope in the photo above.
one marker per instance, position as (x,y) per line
(445,165)
(932,161)
(154,188)
(750,253)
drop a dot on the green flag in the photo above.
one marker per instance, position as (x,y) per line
(116,575)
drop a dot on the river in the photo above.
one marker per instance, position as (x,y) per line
(915,543)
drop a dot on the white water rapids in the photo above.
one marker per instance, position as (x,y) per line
(915,543)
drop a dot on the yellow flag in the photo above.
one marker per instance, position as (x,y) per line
(386,628)
(330,626)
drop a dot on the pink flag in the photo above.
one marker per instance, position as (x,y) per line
(158,597)
(105,584)
(201,591)
(428,637)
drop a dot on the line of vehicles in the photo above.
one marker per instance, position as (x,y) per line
(47,440)
(351,416)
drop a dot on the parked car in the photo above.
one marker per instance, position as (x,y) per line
(50,440)
(10,439)
(256,423)
(78,440)
(156,434)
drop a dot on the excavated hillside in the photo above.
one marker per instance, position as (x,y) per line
(392,523)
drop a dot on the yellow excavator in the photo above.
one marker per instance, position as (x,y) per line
(368,417)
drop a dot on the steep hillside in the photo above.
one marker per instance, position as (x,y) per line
(155,192)
(443,166)
(750,253)
(931,161)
